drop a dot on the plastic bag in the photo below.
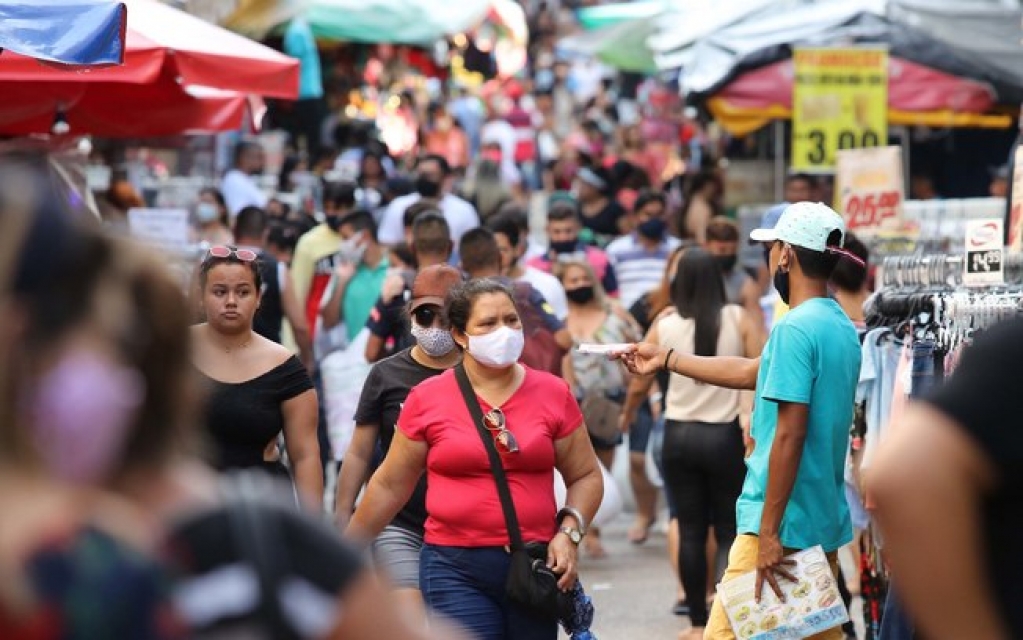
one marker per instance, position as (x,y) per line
(610,506)
(344,373)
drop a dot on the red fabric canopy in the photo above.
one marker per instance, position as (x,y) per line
(161,38)
(911,87)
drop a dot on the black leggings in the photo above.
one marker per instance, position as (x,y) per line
(704,470)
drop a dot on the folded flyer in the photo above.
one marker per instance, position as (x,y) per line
(812,603)
(608,349)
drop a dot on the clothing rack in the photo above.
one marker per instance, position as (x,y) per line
(937,270)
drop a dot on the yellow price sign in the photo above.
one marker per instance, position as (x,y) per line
(839,101)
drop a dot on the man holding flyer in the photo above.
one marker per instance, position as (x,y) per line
(805,381)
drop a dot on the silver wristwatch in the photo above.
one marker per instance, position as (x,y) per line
(571,511)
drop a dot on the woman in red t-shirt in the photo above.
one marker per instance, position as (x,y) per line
(536,425)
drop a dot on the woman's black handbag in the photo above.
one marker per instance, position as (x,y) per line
(530,582)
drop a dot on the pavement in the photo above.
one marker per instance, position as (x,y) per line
(633,588)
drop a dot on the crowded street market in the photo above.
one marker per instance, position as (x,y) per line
(510,319)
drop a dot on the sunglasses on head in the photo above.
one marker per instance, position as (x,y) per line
(426,315)
(224,251)
(494,421)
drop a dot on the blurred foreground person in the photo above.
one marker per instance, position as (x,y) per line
(98,403)
(949,497)
(536,427)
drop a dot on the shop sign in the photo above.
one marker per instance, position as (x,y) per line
(167,229)
(839,101)
(985,252)
(869,190)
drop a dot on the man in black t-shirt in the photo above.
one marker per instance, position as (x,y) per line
(949,490)
(388,323)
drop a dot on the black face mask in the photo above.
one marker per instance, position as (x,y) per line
(580,295)
(727,263)
(566,246)
(427,188)
(653,228)
(782,285)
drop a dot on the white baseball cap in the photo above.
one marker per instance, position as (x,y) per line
(807,225)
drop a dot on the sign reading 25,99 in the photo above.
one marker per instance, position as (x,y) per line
(839,101)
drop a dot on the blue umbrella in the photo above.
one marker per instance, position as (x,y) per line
(71,32)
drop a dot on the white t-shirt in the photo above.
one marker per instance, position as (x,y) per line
(241,191)
(461,217)
(549,287)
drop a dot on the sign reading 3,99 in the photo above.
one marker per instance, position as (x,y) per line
(839,101)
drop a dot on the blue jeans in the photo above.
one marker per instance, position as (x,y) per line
(895,623)
(922,369)
(466,586)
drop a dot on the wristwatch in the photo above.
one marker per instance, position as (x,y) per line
(575,535)
(570,511)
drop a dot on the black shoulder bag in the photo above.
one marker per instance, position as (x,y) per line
(530,582)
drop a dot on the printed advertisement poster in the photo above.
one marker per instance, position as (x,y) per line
(812,603)
(985,253)
(839,101)
(869,190)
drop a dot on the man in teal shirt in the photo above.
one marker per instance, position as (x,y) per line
(805,382)
(362,266)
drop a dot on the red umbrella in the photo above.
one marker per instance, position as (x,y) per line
(167,54)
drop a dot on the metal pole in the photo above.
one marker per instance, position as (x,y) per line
(779,160)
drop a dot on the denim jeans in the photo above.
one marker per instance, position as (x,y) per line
(466,585)
(922,370)
(895,623)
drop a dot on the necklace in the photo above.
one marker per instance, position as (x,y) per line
(239,347)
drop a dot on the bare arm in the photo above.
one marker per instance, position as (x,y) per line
(721,371)
(639,387)
(355,471)
(751,303)
(295,314)
(331,311)
(300,418)
(563,338)
(931,477)
(753,344)
(389,488)
(575,459)
(374,348)
(786,453)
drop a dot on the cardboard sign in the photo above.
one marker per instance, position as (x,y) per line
(869,190)
(164,228)
(839,101)
(985,253)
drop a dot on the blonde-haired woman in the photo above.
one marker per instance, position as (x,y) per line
(599,383)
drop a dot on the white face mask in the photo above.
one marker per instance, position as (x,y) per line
(353,249)
(500,348)
(206,212)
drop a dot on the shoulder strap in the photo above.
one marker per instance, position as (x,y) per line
(507,505)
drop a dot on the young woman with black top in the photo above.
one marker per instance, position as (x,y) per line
(396,550)
(257,388)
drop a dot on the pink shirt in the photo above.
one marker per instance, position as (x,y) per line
(462,503)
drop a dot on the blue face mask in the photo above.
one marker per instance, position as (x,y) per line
(653,228)
(207,212)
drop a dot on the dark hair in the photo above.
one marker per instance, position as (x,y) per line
(561,211)
(517,213)
(699,293)
(284,234)
(462,298)
(478,250)
(506,225)
(211,262)
(243,147)
(646,196)
(818,265)
(418,208)
(288,167)
(847,275)
(340,193)
(441,161)
(404,253)
(216,195)
(722,229)
(360,220)
(809,179)
(660,298)
(431,235)
(251,222)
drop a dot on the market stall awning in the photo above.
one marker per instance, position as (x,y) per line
(196,53)
(66,32)
(395,21)
(119,110)
(917,95)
